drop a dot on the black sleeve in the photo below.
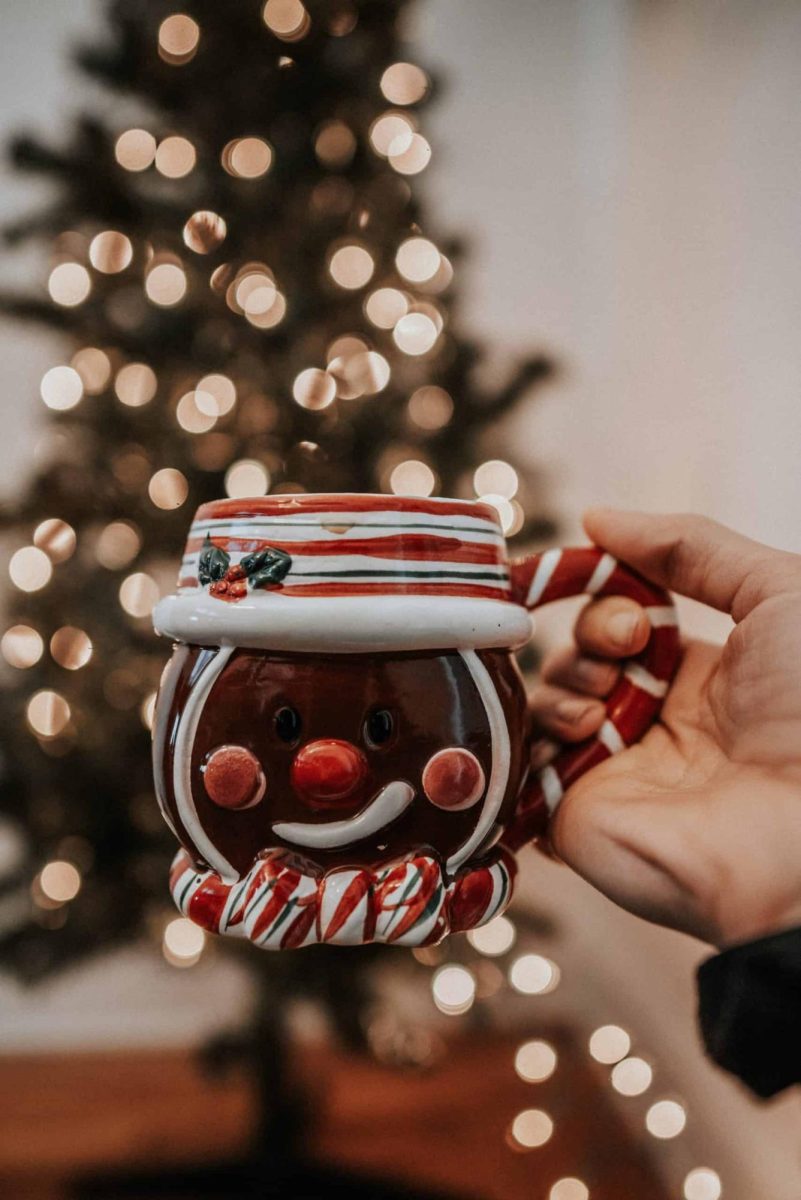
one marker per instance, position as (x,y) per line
(750,1011)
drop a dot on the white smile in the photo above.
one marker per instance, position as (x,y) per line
(390,802)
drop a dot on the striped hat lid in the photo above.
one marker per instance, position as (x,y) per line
(345,573)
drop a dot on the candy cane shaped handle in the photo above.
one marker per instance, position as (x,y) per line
(636,699)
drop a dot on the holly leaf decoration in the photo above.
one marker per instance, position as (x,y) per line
(214,562)
(267,567)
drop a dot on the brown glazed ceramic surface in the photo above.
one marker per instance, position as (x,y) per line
(433,703)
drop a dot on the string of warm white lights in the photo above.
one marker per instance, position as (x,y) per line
(455,988)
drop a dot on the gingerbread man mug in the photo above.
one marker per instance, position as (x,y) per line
(340,741)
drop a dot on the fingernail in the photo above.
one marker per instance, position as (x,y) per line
(573,711)
(621,628)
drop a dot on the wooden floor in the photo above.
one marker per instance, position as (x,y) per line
(444,1128)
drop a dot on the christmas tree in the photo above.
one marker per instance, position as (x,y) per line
(251,300)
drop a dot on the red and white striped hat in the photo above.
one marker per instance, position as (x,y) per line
(345,573)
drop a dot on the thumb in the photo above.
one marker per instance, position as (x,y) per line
(696,557)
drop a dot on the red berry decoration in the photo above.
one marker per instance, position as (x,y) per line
(233,777)
(453,779)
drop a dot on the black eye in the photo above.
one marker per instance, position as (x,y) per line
(378,727)
(287,724)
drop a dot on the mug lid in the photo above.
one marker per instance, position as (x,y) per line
(345,572)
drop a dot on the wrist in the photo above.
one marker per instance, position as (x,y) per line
(757,923)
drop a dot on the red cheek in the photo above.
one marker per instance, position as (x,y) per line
(453,779)
(233,777)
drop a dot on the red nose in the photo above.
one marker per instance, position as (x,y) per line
(327,772)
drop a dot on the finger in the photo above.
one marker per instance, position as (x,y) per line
(612,627)
(696,557)
(570,669)
(564,715)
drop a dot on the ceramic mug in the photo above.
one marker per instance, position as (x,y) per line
(340,741)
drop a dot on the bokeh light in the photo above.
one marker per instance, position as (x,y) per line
(69,284)
(287,19)
(204,231)
(409,159)
(60,881)
(165,284)
(404,83)
(135,384)
(412,478)
(29,568)
(417,259)
(191,417)
(497,477)
(168,488)
(61,388)
(494,938)
(110,252)
(183,942)
(351,266)
(215,395)
(247,157)
(632,1076)
(48,713)
(314,389)
(391,129)
(535,1061)
(254,291)
(135,149)
(118,544)
(453,988)
(385,307)
(56,537)
(702,1183)
(273,315)
(533,975)
(246,477)
(175,157)
(94,369)
(531,1128)
(21,646)
(504,508)
(569,1188)
(138,593)
(609,1044)
(70,647)
(335,144)
(415,333)
(367,373)
(665,1119)
(178,40)
(430,407)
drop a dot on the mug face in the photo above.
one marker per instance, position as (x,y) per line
(341,759)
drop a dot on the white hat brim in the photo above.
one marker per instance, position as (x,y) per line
(343,624)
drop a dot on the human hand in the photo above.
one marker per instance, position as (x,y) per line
(698,826)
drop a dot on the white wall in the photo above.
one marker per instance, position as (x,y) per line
(630,175)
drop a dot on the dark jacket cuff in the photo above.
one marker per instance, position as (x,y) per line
(750,1011)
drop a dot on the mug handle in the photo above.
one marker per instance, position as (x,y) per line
(635,701)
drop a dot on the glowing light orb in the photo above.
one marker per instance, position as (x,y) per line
(21,646)
(69,284)
(454,989)
(168,488)
(30,569)
(535,1061)
(246,477)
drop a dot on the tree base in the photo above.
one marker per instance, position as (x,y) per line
(245,1181)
